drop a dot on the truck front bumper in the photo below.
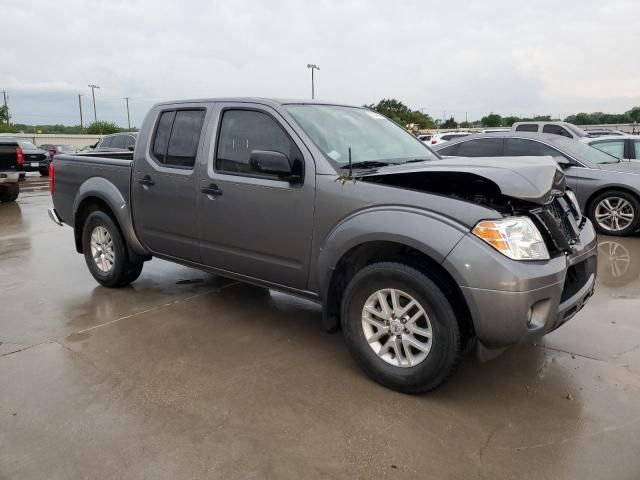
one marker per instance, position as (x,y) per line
(514,301)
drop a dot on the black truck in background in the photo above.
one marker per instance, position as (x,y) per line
(11,164)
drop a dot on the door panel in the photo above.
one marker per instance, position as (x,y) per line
(254,225)
(165,185)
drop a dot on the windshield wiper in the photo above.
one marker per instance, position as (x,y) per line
(366,164)
(416,160)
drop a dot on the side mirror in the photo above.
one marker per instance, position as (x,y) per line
(131,147)
(271,163)
(562,161)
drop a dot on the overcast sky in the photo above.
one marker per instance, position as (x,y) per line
(545,57)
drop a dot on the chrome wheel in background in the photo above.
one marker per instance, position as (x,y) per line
(614,214)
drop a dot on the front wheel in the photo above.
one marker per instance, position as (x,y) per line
(615,213)
(105,252)
(400,327)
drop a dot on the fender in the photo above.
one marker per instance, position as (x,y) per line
(426,231)
(109,193)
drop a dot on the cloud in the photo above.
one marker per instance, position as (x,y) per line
(496,55)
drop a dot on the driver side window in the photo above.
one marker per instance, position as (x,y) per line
(243,131)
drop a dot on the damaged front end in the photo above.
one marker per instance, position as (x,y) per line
(508,186)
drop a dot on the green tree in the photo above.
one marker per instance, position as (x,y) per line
(401,114)
(491,120)
(4,115)
(465,125)
(634,114)
(451,123)
(510,120)
(102,127)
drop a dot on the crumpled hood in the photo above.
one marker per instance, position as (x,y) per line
(533,179)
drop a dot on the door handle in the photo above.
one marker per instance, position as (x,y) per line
(147,181)
(212,190)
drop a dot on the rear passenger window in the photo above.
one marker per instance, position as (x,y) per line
(527,127)
(185,137)
(482,147)
(118,141)
(556,130)
(177,136)
(243,131)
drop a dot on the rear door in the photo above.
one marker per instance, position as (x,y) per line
(254,224)
(165,183)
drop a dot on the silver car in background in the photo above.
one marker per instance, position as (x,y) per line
(624,147)
(607,189)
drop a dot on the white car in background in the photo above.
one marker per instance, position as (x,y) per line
(624,147)
(439,138)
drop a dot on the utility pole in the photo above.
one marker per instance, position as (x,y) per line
(6,107)
(80,107)
(126,99)
(313,67)
(93,94)
(466,119)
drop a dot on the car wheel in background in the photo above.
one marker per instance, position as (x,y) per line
(105,252)
(615,213)
(44,171)
(400,327)
(9,193)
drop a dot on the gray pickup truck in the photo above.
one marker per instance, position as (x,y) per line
(413,257)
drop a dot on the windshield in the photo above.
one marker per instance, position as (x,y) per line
(27,145)
(370,136)
(584,152)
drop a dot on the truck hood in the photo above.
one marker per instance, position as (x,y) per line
(532,179)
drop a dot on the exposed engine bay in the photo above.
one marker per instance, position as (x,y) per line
(461,185)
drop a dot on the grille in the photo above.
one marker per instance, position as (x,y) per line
(560,223)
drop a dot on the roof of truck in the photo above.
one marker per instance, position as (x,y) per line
(268,101)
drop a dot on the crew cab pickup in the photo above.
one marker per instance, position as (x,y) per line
(11,162)
(411,256)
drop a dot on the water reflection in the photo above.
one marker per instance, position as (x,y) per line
(618,260)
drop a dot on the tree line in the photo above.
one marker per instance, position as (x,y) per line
(405,116)
(94,128)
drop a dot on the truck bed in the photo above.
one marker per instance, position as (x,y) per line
(74,172)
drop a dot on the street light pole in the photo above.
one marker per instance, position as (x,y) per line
(313,67)
(80,107)
(126,99)
(93,94)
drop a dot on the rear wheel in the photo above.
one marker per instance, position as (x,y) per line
(615,213)
(400,327)
(44,171)
(105,252)
(9,193)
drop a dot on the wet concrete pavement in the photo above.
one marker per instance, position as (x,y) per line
(186,375)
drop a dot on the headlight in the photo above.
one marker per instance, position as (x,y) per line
(516,237)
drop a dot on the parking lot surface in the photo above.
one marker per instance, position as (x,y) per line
(187,375)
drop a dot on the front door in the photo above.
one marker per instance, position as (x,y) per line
(165,185)
(254,224)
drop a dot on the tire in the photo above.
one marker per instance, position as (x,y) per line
(445,344)
(622,202)
(116,269)
(9,193)
(44,172)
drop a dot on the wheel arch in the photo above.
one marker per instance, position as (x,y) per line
(372,252)
(99,194)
